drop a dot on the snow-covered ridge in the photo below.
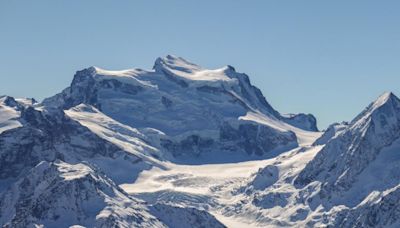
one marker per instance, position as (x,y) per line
(192,74)
(331,132)
(376,127)
(130,76)
(129,139)
(59,194)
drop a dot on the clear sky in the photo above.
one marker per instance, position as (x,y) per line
(328,58)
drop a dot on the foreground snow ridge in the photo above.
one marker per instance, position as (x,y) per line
(185,146)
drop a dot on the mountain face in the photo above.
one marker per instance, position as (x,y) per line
(47,136)
(382,211)
(58,194)
(358,168)
(331,132)
(194,110)
(348,154)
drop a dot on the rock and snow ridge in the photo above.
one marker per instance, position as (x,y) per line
(357,170)
(58,194)
(377,127)
(184,146)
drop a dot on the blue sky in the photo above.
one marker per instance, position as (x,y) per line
(329,58)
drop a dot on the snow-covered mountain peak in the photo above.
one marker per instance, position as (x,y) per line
(111,78)
(8,101)
(382,112)
(188,74)
(16,103)
(115,73)
(351,150)
(172,62)
(10,112)
(384,98)
(194,109)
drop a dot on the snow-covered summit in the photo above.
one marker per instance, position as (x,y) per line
(340,165)
(10,111)
(383,99)
(192,74)
(386,104)
(196,110)
(172,62)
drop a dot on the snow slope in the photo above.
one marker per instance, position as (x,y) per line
(358,167)
(377,127)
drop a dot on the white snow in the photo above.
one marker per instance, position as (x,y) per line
(380,174)
(195,179)
(128,138)
(8,118)
(130,76)
(181,67)
(305,138)
(382,100)
(216,182)
(71,172)
(194,74)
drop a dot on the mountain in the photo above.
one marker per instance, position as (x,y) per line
(58,194)
(192,111)
(360,143)
(358,164)
(47,136)
(379,210)
(63,195)
(331,132)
